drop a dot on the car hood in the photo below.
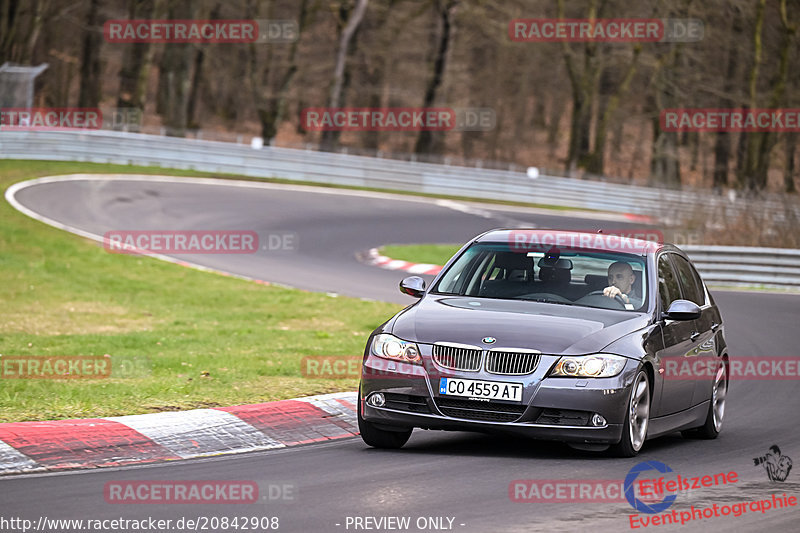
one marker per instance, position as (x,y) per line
(549,328)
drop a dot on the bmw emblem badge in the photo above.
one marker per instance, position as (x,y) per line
(489,340)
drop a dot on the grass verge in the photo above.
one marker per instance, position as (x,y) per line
(177,338)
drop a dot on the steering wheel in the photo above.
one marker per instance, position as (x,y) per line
(618,298)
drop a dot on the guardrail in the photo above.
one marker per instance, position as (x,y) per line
(746,265)
(344,169)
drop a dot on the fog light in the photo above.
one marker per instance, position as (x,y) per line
(598,420)
(376,400)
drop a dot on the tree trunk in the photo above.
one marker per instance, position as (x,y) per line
(788,172)
(722,141)
(747,172)
(34,30)
(693,141)
(9,12)
(539,118)
(352,20)
(376,74)
(258,79)
(429,142)
(722,154)
(174,80)
(90,86)
(557,106)
(195,85)
(584,85)
(595,160)
(665,167)
(278,107)
(760,144)
(778,96)
(579,128)
(136,61)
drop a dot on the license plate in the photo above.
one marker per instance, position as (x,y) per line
(474,388)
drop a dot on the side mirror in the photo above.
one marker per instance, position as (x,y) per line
(683,310)
(413,286)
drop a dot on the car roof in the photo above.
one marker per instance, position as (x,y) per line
(540,238)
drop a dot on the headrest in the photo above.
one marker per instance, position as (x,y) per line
(637,284)
(557,275)
(513,261)
(596,281)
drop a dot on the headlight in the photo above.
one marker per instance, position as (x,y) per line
(599,365)
(390,347)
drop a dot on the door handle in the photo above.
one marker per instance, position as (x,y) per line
(714,326)
(694,335)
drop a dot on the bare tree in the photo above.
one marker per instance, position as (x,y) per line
(582,81)
(610,98)
(569,104)
(9,16)
(174,76)
(665,168)
(90,88)
(271,97)
(136,61)
(722,142)
(351,19)
(429,141)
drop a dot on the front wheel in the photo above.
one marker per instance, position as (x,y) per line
(637,419)
(380,438)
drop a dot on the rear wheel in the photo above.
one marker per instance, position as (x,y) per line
(716,408)
(381,438)
(637,418)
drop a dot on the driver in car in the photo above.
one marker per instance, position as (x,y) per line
(620,279)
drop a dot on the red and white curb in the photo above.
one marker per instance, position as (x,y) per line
(376,259)
(122,440)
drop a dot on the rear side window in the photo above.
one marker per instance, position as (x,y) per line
(668,289)
(704,296)
(689,280)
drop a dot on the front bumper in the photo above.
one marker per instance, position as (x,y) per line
(551,408)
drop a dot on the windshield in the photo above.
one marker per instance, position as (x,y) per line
(491,270)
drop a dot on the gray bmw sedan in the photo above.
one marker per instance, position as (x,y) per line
(600,341)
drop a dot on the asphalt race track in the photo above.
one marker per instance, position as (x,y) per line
(460,476)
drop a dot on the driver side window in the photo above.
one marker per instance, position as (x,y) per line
(668,289)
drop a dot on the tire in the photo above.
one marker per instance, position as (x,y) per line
(634,433)
(716,408)
(380,438)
